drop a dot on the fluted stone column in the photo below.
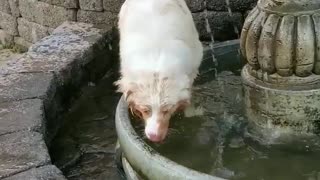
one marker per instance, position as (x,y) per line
(281,42)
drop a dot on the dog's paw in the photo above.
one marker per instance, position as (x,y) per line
(192,111)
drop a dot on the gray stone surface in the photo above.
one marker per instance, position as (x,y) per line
(42,173)
(31,32)
(100,19)
(45,14)
(14,6)
(55,53)
(64,3)
(5,38)
(36,63)
(21,115)
(91,5)
(235,5)
(196,5)
(112,5)
(24,86)
(36,88)
(221,24)
(8,23)
(19,41)
(5,7)
(22,151)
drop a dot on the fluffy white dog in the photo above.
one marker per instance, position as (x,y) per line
(160,55)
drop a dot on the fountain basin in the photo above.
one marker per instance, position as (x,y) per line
(143,159)
(138,159)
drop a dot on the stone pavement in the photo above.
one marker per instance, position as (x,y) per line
(36,88)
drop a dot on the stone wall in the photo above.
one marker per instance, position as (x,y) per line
(24,22)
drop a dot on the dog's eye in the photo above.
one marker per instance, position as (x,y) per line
(146,111)
(165,111)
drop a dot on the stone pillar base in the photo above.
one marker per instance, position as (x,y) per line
(280,106)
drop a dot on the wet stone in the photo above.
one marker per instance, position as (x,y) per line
(235,5)
(41,173)
(21,151)
(219,22)
(112,5)
(196,5)
(21,115)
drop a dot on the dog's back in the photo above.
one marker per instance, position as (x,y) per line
(158,35)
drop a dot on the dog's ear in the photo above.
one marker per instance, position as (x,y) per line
(183,104)
(126,87)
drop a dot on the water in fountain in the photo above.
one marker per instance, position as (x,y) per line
(219,143)
(221,136)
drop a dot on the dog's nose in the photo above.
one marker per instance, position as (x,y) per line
(154,137)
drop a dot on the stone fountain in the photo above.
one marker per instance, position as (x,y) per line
(280,41)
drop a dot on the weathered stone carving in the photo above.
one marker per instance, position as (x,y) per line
(281,42)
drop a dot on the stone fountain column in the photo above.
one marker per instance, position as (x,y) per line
(280,41)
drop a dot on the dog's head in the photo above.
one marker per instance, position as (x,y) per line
(155,99)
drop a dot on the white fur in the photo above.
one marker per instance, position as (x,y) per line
(158,40)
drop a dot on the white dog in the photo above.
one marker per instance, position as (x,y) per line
(160,55)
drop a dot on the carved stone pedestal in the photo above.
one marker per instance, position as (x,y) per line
(281,42)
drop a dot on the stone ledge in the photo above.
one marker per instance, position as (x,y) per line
(22,151)
(21,115)
(37,88)
(15,87)
(41,173)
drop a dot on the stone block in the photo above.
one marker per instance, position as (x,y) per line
(221,24)
(30,31)
(113,5)
(41,173)
(45,14)
(25,86)
(5,7)
(71,4)
(9,23)
(54,53)
(91,5)
(235,5)
(5,38)
(21,151)
(21,115)
(196,5)
(22,43)
(14,6)
(100,19)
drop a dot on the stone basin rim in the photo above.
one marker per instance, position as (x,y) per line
(137,153)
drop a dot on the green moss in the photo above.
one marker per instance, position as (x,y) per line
(14,48)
